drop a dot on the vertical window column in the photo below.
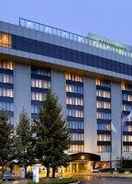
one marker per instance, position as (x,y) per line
(41,83)
(126,109)
(103,105)
(7,87)
(75,111)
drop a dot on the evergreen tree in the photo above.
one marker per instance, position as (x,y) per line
(23,141)
(6,133)
(52,135)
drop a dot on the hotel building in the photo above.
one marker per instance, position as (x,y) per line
(91,76)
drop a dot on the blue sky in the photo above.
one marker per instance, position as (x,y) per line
(108,18)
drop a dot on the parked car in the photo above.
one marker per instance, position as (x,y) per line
(7,176)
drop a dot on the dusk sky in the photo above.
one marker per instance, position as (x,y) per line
(108,18)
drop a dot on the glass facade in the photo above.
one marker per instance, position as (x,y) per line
(75,113)
(69,55)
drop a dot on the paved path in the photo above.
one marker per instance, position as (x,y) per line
(108,181)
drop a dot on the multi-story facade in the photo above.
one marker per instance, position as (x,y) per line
(91,76)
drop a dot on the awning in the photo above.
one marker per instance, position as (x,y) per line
(84,156)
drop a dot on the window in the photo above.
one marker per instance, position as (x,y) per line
(73,77)
(104,115)
(77,137)
(75,113)
(6,92)
(103,137)
(76,148)
(103,83)
(74,89)
(74,101)
(103,148)
(5,78)
(37,83)
(6,106)
(42,72)
(127,138)
(5,40)
(6,64)
(103,126)
(103,105)
(102,93)
(127,97)
(127,107)
(127,148)
(35,109)
(38,96)
(76,124)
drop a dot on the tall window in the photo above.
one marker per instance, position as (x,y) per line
(5,40)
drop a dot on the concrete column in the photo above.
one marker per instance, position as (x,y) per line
(116,99)
(22,90)
(58,88)
(90,132)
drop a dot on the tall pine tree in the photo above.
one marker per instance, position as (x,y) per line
(52,135)
(6,133)
(23,141)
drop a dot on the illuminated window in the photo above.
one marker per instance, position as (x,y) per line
(103,83)
(6,92)
(104,94)
(127,138)
(74,101)
(127,97)
(73,77)
(37,83)
(104,105)
(38,96)
(76,148)
(103,137)
(5,40)
(74,88)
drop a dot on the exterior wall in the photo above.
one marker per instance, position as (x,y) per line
(90,133)
(116,120)
(58,87)
(22,90)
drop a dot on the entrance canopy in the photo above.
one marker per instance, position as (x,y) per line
(84,156)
